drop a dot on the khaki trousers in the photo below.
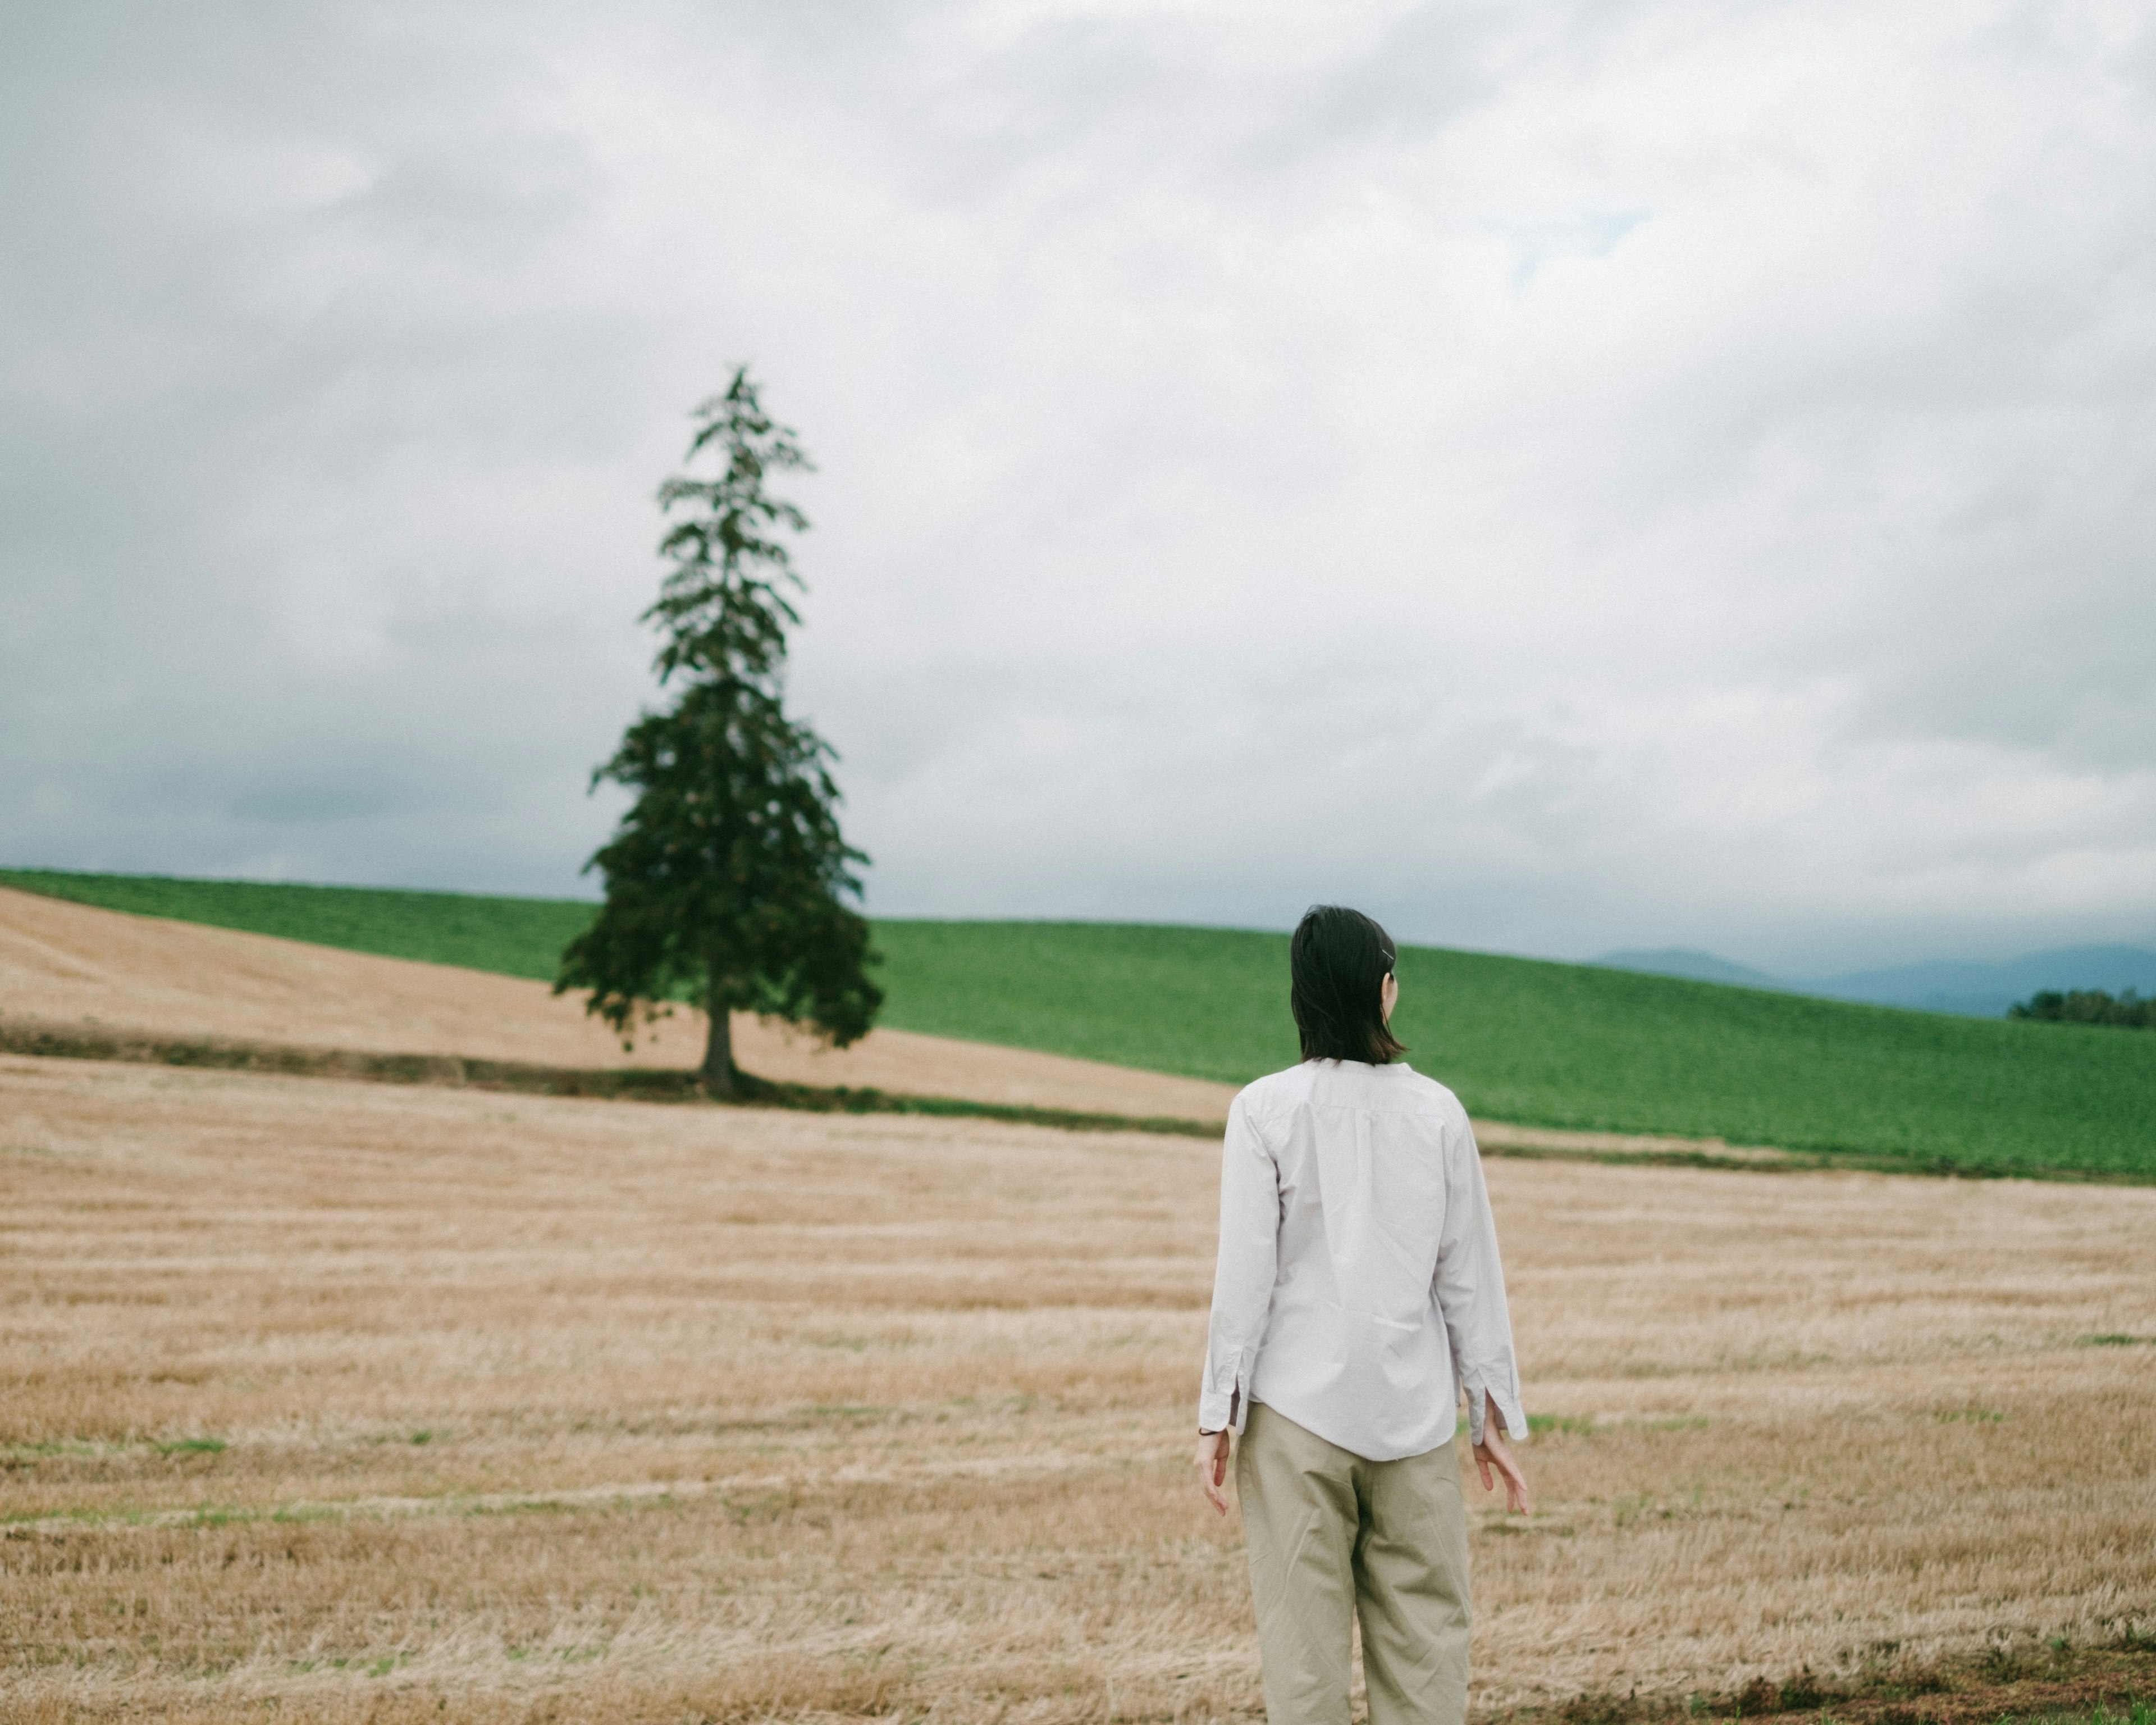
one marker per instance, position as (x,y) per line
(1332,1537)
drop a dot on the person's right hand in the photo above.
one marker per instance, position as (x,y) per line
(1212,1463)
(1494,1452)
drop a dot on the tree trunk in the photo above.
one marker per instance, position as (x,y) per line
(719,1051)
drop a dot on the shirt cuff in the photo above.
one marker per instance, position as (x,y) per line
(1225,1406)
(1509,1412)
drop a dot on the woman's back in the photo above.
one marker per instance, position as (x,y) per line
(1352,1199)
(1358,1293)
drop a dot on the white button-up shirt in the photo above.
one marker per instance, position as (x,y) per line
(1358,1291)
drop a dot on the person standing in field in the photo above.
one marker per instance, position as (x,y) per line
(1358,1296)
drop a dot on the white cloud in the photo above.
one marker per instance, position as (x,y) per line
(1570,476)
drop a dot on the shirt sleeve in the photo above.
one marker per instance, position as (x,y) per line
(1243,1279)
(1470,1294)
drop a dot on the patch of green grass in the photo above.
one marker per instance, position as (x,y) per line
(512,937)
(1580,1425)
(51,1447)
(1538,1044)
(193,1446)
(1561,1045)
(2114,1338)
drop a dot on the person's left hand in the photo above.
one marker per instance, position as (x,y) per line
(1494,1452)
(1212,1463)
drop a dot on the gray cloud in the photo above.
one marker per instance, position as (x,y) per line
(1570,477)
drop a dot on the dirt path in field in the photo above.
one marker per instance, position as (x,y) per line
(72,965)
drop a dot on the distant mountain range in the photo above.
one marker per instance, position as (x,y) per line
(1977,990)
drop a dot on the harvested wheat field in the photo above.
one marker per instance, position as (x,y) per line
(66,966)
(329,1401)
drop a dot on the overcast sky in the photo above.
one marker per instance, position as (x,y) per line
(1559,476)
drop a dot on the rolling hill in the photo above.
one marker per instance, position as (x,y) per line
(1542,1044)
(1974,990)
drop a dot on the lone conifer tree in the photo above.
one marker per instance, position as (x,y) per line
(727,878)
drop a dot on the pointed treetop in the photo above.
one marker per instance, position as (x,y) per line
(723,606)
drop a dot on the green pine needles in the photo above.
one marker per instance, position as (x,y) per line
(727,880)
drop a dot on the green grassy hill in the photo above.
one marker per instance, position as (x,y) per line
(1541,1044)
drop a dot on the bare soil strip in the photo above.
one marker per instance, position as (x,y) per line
(331,1402)
(2003,1683)
(637,1083)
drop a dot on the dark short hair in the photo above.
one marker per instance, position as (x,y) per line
(1337,964)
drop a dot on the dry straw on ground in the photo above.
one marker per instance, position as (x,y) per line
(537,1408)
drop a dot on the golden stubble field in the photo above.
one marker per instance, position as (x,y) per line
(546,1409)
